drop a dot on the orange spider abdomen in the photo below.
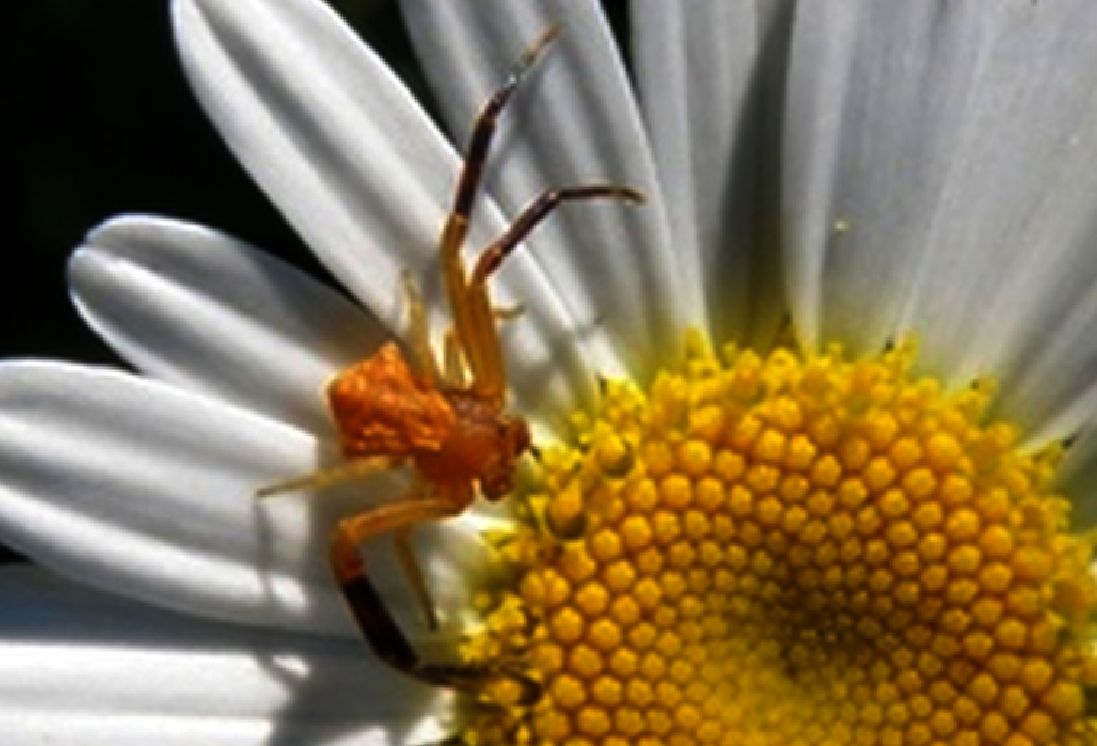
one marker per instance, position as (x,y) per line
(381,407)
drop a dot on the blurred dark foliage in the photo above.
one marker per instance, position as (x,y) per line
(101,122)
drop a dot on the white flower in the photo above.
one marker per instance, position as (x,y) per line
(866,169)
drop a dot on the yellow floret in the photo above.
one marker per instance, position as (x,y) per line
(774,549)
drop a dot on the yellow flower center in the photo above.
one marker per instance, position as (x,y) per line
(790,550)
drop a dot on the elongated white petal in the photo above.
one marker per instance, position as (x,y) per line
(143,489)
(1058,390)
(197,308)
(574,120)
(356,166)
(81,667)
(1054,391)
(938,175)
(326,130)
(711,78)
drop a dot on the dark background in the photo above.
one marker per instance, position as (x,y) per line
(101,122)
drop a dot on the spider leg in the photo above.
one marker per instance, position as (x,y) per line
(406,555)
(419,328)
(453,363)
(484,126)
(374,620)
(372,615)
(490,380)
(480,354)
(351,470)
(532,215)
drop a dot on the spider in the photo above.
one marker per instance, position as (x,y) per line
(453,432)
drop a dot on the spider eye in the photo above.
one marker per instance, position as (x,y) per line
(515,439)
(497,487)
(518,437)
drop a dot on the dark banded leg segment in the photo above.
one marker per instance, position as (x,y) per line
(478,343)
(391,645)
(368,608)
(385,638)
(477,311)
(541,207)
(483,128)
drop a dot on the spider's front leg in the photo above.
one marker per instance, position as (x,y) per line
(368,608)
(475,304)
(374,620)
(477,343)
(419,329)
(473,314)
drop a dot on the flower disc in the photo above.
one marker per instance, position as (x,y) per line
(791,550)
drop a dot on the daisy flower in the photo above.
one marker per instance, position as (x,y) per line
(815,426)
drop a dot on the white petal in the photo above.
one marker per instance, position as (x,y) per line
(710,77)
(1078,477)
(937,175)
(142,489)
(80,667)
(200,309)
(1054,392)
(574,120)
(356,166)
